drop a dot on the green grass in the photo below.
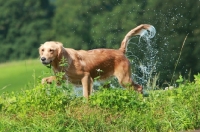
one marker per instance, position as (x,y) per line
(55,109)
(18,74)
(50,109)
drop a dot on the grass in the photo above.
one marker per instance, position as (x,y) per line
(18,74)
(52,109)
(48,108)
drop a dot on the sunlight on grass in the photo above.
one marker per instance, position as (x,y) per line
(18,74)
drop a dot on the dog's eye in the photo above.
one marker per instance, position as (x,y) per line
(51,50)
(42,49)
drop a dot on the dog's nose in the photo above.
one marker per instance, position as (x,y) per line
(43,58)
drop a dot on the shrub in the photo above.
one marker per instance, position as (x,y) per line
(41,98)
(118,99)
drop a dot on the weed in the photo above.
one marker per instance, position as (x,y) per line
(178,59)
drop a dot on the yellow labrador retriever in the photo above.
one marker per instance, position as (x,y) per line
(84,66)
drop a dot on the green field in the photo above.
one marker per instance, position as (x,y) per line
(19,74)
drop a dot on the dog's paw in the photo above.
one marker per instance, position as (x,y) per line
(48,80)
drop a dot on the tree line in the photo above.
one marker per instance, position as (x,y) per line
(85,24)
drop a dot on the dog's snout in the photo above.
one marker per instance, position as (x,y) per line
(43,58)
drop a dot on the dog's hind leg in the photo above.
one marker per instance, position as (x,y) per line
(87,83)
(123,74)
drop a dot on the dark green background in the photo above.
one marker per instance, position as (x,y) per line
(86,24)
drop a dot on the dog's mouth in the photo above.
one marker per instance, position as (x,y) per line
(47,64)
(45,61)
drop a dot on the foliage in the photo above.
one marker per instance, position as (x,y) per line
(50,108)
(115,22)
(24,25)
(41,98)
(117,99)
(173,20)
(169,110)
(37,105)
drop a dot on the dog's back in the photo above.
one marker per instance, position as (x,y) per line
(99,62)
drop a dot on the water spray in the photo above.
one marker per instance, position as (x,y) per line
(144,71)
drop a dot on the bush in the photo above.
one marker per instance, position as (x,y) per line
(118,99)
(163,110)
(41,98)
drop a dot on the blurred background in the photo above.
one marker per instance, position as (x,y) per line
(86,24)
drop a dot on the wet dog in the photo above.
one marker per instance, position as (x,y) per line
(84,66)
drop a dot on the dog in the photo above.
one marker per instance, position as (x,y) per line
(84,66)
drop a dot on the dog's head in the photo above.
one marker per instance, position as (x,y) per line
(49,51)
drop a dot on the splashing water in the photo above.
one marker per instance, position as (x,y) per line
(144,60)
(142,56)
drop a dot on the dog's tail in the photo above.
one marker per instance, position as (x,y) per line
(143,29)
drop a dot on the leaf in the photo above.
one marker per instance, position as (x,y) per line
(180,80)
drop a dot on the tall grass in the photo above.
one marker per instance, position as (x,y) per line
(176,64)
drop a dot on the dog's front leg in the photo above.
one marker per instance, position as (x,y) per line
(48,80)
(87,83)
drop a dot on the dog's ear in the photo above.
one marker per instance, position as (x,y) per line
(60,49)
(39,49)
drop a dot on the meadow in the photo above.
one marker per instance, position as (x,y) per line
(57,109)
(18,75)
